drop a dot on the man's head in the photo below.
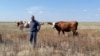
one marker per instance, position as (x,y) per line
(32,18)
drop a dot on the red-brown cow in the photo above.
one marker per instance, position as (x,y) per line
(66,27)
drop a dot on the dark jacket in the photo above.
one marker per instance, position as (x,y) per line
(34,26)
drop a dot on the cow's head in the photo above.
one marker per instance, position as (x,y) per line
(19,23)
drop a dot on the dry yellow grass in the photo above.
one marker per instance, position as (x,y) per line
(16,43)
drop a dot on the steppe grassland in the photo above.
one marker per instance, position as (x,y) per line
(49,43)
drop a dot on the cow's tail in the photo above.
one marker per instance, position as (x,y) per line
(76,25)
(76,28)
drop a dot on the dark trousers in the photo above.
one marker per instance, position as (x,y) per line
(33,38)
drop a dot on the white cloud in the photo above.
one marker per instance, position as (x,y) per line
(35,9)
(97,15)
(40,12)
(85,10)
(98,9)
(30,12)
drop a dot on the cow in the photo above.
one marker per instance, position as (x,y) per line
(65,26)
(26,24)
(19,23)
(51,23)
(23,24)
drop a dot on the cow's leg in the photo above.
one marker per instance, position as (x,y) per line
(59,32)
(74,32)
(21,27)
(63,33)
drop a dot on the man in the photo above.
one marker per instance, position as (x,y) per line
(34,28)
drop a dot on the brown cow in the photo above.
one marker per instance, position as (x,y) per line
(66,27)
(23,24)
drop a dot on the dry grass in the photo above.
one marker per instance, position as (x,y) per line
(49,43)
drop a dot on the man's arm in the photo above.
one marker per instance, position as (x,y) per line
(38,26)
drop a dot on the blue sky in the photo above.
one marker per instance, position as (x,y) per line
(50,10)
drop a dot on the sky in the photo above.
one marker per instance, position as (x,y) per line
(50,10)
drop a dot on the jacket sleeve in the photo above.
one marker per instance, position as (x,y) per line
(38,26)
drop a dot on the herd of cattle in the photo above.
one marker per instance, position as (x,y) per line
(60,26)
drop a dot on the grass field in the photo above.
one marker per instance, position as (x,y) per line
(14,42)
